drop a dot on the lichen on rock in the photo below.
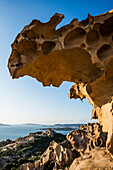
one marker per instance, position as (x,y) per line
(80,52)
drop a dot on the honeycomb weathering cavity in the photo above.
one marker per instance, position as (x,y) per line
(80,52)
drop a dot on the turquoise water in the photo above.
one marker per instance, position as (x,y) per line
(14,131)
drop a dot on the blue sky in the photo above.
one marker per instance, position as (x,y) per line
(25,100)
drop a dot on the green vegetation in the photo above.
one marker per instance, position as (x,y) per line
(22,153)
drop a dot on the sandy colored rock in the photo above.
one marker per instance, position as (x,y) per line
(83,149)
(87,137)
(48,132)
(80,52)
(54,157)
(97,159)
(104,114)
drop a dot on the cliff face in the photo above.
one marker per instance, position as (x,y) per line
(80,52)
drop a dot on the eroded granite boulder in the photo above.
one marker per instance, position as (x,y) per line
(80,52)
(56,156)
(87,137)
(97,159)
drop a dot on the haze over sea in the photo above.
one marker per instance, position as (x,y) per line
(14,131)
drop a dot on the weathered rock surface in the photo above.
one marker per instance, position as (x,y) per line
(56,156)
(80,52)
(87,137)
(48,132)
(97,159)
(80,143)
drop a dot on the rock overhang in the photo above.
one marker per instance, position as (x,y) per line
(80,52)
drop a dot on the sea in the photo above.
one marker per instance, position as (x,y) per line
(14,131)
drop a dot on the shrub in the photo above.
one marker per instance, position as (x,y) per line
(13,168)
(8,166)
(22,161)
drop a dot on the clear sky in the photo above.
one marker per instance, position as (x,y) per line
(25,100)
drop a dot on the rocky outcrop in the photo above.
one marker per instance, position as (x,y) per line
(103,113)
(87,137)
(80,143)
(97,159)
(30,148)
(48,132)
(8,144)
(80,52)
(56,156)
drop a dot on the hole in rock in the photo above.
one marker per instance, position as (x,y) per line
(24,34)
(92,37)
(96,26)
(82,45)
(37,36)
(49,165)
(74,37)
(107,28)
(47,47)
(12,65)
(104,52)
(19,64)
(27,47)
(31,34)
(16,41)
(42,36)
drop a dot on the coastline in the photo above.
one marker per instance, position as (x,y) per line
(14,131)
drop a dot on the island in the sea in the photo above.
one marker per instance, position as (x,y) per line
(1,124)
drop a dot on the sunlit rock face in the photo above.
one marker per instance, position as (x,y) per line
(82,146)
(97,159)
(80,52)
(55,157)
(86,138)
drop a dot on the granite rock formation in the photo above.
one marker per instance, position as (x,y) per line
(56,156)
(97,159)
(80,52)
(87,137)
(78,148)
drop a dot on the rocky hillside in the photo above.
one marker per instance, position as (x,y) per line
(82,148)
(26,149)
(78,151)
(50,150)
(79,145)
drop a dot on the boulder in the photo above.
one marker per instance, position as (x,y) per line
(56,156)
(97,159)
(49,132)
(87,137)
